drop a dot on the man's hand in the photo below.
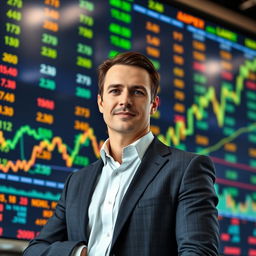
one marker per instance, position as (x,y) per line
(84,252)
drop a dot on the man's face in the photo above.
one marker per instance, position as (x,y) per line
(126,101)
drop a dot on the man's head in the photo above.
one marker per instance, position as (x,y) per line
(127,94)
(131,59)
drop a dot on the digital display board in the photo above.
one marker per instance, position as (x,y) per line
(49,120)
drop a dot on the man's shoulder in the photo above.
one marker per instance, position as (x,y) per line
(173,150)
(176,153)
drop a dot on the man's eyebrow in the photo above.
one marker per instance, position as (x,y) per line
(133,87)
(139,87)
(114,86)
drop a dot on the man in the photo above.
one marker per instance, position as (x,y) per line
(141,198)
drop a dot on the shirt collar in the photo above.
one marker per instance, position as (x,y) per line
(104,151)
(138,148)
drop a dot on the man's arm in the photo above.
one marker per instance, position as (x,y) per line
(53,240)
(197,228)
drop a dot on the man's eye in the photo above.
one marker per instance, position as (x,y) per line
(138,92)
(114,91)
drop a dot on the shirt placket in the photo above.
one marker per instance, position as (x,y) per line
(108,216)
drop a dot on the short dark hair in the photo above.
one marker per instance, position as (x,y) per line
(132,59)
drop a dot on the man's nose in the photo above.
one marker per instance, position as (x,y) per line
(125,98)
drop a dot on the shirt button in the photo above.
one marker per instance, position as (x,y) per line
(109,202)
(108,235)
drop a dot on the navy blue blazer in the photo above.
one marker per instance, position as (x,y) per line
(168,209)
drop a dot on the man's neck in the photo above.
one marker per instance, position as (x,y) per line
(119,141)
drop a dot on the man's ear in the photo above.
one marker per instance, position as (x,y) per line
(155,104)
(99,100)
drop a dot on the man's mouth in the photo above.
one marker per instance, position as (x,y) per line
(124,113)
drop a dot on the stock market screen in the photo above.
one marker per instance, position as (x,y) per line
(49,119)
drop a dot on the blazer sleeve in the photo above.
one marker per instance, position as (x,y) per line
(197,228)
(53,238)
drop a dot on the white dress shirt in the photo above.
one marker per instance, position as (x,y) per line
(112,185)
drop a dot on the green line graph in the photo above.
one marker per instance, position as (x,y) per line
(181,130)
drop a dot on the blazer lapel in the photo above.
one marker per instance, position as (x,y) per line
(87,189)
(152,162)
